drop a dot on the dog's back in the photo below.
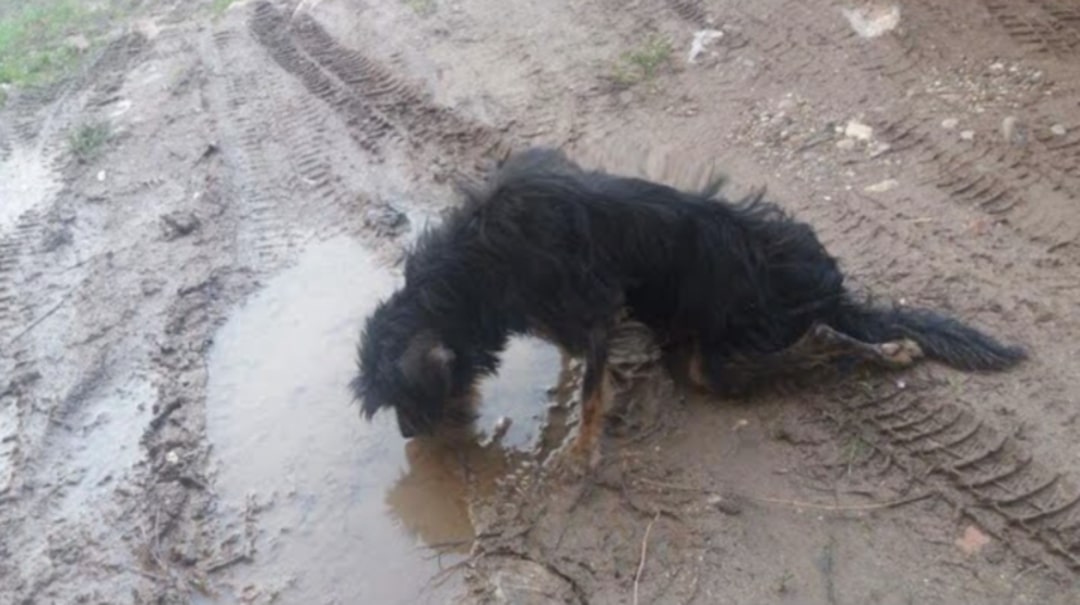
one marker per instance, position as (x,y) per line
(686,264)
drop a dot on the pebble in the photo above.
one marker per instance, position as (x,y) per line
(728,506)
(878,148)
(1058,130)
(968,135)
(950,123)
(883,186)
(845,144)
(858,130)
(1011,130)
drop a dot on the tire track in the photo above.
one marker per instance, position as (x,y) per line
(1035,185)
(981,469)
(1032,182)
(690,11)
(28,230)
(366,126)
(1048,27)
(376,105)
(264,238)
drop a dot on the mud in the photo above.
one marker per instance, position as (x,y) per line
(178,313)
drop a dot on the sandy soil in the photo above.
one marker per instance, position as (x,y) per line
(177,314)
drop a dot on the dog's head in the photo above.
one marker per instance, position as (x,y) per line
(405,367)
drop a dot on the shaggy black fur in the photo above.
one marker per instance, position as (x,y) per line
(555,250)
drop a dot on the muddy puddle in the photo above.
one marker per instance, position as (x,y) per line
(339,510)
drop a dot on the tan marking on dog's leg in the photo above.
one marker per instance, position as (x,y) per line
(593,413)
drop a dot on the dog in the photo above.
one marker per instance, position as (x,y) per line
(549,248)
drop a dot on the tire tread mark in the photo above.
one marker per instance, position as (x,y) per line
(374,102)
(1042,26)
(995,177)
(984,471)
(27,231)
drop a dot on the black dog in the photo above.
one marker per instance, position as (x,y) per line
(554,250)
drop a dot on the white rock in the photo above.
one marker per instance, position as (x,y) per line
(873,21)
(950,123)
(701,40)
(883,186)
(857,130)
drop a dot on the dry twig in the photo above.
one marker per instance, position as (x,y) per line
(644,553)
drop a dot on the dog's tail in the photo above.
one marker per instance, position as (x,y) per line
(941,338)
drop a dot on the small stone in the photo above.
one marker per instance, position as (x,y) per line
(874,21)
(997,67)
(858,130)
(101,175)
(967,135)
(728,506)
(950,123)
(1058,130)
(878,148)
(502,425)
(175,225)
(1012,130)
(845,144)
(700,42)
(172,457)
(883,186)
(386,220)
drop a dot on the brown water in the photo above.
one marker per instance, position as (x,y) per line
(347,511)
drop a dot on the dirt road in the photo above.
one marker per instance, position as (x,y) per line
(178,308)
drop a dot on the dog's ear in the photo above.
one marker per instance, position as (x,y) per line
(427,364)
(361,393)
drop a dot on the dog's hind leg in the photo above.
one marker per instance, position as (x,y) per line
(822,346)
(826,342)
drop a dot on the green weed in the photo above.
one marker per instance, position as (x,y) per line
(423,8)
(643,63)
(89,140)
(218,7)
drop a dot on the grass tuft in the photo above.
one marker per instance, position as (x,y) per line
(643,63)
(34,40)
(218,7)
(88,141)
(423,8)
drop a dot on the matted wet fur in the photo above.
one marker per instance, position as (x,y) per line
(549,248)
